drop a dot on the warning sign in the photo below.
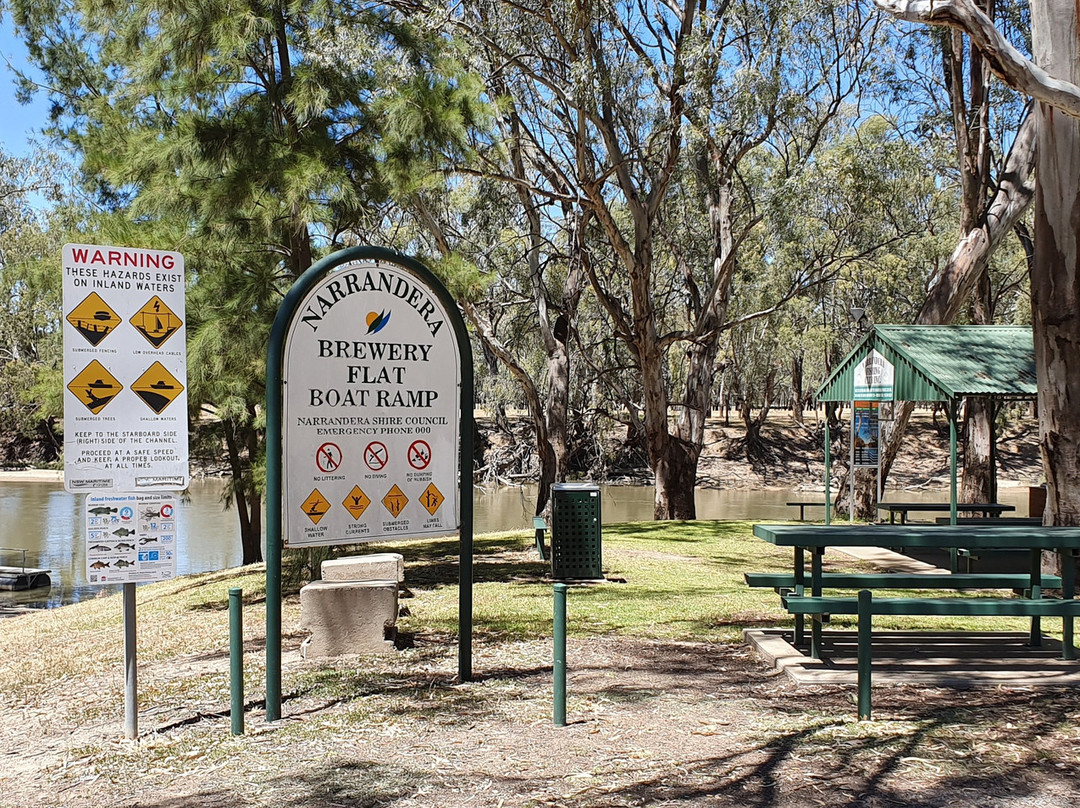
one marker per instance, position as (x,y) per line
(114,441)
(431,499)
(156,321)
(157,387)
(95,387)
(356,502)
(419,454)
(315,506)
(395,501)
(93,318)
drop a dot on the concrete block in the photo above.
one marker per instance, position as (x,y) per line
(348,617)
(371,567)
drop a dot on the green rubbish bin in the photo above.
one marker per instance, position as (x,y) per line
(575,532)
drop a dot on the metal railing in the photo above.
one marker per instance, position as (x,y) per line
(16,550)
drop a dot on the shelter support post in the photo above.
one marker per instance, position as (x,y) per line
(952,461)
(851,467)
(1035,636)
(993,406)
(815,589)
(828,470)
(800,619)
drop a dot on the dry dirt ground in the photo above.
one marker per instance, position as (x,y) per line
(650,724)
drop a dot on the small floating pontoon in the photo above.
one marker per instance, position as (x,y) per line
(22,577)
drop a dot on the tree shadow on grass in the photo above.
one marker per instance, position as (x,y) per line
(821,761)
(812,766)
(355,784)
(799,747)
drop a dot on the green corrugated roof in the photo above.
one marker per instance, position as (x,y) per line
(943,362)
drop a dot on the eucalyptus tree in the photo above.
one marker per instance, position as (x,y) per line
(615,100)
(244,125)
(1052,78)
(29,320)
(948,83)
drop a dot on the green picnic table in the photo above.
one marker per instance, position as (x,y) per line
(987,509)
(816,538)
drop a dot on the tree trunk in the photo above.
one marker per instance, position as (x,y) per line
(1055,286)
(676,479)
(797,395)
(968,261)
(976,484)
(248,503)
(557,340)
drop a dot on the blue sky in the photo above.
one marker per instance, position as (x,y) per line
(17,121)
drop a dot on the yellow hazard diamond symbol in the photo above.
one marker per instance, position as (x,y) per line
(315,506)
(95,387)
(395,501)
(156,321)
(93,318)
(356,502)
(431,499)
(157,387)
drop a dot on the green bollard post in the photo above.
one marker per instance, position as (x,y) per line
(559,662)
(236,660)
(865,651)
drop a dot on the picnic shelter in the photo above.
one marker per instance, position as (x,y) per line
(935,364)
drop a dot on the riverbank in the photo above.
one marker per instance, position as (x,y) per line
(789,455)
(667,706)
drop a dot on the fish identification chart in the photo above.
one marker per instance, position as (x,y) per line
(130,538)
(125,370)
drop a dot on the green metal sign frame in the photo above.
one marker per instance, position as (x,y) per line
(275,357)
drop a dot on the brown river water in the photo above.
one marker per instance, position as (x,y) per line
(41,518)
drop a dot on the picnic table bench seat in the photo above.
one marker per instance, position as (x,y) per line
(898,580)
(866,606)
(991,520)
(987,509)
(803,505)
(954,607)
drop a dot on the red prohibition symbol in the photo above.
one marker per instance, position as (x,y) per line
(419,454)
(375,455)
(328,457)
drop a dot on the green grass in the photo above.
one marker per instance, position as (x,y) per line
(672,582)
(667,581)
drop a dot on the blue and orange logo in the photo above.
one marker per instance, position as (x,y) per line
(377,322)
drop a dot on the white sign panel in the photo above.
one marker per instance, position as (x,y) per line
(873,378)
(130,538)
(371,394)
(125,370)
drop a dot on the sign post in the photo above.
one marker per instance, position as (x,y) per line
(369,421)
(125,418)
